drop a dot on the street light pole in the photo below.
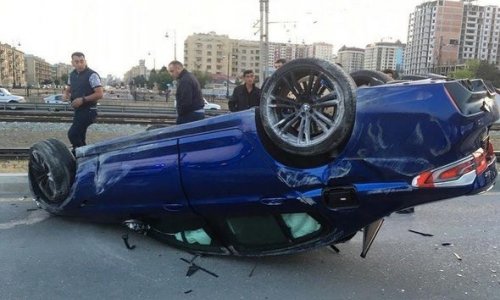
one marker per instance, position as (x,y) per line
(13,70)
(175,43)
(227,82)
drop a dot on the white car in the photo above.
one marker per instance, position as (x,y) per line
(55,99)
(210,106)
(7,97)
(58,101)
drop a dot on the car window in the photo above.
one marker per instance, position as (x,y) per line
(58,97)
(187,232)
(271,231)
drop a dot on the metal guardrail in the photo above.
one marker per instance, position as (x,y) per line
(112,114)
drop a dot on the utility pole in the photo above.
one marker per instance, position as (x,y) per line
(264,40)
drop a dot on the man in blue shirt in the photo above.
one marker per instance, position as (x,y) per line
(84,89)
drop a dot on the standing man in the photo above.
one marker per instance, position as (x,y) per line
(84,89)
(246,95)
(279,63)
(189,101)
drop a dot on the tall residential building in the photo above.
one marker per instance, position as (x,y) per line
(480,33)
(322,51)
(443,34)
(384,55)
(12,67)
(351,58)
(38,70)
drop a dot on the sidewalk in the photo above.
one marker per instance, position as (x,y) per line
(14,184)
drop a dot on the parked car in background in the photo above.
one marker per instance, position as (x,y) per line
(210,106)
(7,97)
(57,102)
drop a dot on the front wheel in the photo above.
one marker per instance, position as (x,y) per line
(308,107)
(51,171)
(12,105)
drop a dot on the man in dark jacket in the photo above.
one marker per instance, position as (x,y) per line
(189,101)
(246,95)
(84,89)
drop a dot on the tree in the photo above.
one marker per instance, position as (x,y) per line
(153,76)
(478,69)
(202,76)
(467,73)
(139,80)
(163,78)
(64,78)
(489,72)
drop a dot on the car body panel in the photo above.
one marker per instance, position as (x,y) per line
(220,171)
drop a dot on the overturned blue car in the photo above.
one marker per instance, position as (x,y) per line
(325,155)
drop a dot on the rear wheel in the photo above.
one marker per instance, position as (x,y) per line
(369,78)
(308,107)
(51,171)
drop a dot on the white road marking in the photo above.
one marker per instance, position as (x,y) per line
(33,218)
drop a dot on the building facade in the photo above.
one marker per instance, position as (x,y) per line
(38,71)
(59,71)
(444,34)
(384,55)
(220,55)
(351,58)
(12,66)
(480,33)
(139,70)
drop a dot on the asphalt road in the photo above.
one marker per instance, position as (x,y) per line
(46,257)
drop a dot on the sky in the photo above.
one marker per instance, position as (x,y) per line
(116,34)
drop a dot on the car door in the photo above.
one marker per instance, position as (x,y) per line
(229,180)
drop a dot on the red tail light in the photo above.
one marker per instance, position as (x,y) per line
(459,173)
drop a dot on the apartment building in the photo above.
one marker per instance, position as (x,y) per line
(384,55)
(321,50)
(60,69)
(220,55)
(443,34)
(245,56)
(37,70)
(12,66)
(208,52)
(480,33)
(351,58)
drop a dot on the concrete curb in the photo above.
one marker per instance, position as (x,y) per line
(14,184)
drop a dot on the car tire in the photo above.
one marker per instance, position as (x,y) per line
(369,78)
(51,172)
(13,107)
(308,107)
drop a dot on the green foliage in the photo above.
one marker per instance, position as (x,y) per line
(162,78)
(461,74)
(202,76)
(64,78)
(489,72)
(139,81)
(478,69)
